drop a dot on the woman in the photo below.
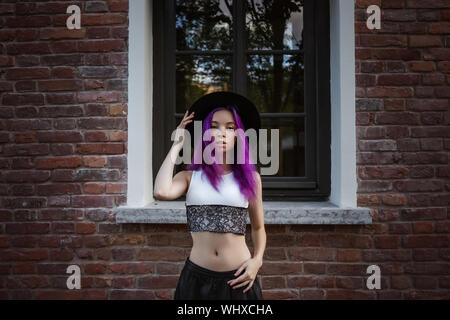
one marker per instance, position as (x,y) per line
(219,196)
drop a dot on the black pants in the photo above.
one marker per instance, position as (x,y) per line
(198,283)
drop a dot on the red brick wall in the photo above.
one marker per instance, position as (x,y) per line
(403,143)
(63,135)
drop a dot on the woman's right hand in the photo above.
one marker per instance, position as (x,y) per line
(179,134)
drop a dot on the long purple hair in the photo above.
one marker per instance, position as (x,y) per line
(243,173)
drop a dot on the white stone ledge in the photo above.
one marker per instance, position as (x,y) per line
(275,212)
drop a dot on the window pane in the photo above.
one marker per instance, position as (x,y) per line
(203,24)
(291,143)
(274,24)
(276,82)
(199,75)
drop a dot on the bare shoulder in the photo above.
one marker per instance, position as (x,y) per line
(257,176)
(186,174)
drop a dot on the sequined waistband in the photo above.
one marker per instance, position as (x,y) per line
(217,218)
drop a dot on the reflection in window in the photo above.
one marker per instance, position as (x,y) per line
(292,144)
(274,24)
(198,75)
(203,24)
(276,82)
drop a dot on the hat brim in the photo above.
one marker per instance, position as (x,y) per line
(247,111)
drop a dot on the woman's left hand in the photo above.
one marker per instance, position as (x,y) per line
(251,267)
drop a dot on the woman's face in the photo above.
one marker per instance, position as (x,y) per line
(223,129)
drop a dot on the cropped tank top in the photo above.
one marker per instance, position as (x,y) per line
(209,210)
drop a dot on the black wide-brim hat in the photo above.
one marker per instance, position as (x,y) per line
(247,111)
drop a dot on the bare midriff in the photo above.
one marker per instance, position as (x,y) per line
(219,251)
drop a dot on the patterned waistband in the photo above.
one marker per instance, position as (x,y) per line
(217,218)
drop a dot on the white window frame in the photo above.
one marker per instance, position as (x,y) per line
(140,105)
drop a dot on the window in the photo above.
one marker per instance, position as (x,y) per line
(276,53)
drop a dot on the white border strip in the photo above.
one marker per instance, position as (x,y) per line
(140,104)
(343,129)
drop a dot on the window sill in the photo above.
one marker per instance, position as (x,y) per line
(282,212)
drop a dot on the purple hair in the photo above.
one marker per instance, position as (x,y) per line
(242,172)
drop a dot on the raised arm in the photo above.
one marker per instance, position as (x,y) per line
(166,186)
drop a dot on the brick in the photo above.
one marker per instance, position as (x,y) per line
(116,188)
(413,186)
(86,228)
(436,131)
(377,145)
(94,162)
(397,118)
(394,199)
(384,172)
(422,172)
(421,66)
(132,268)
(348,255)
(84,201)
(25,137)
(444,66)
(100,148)
(425,241)
(365,3)
(61,254)
(401,282)
(22,99)
(24,254)
(27,73)
(442,92)
(54,163)
(102,123)
(374,186)
(280,282)
(383,40)
(422,41)
(95,268)
(316,254)
(442,27)
(122,254)
(95,136)
(390,92)
(118,136)
(423,227)
(57,189)
(387,242)
(377,255)
(370,200)
(372,66)
(443,226)
(61,136)
(94,188)
(398,80)
(427,105)
(96,241)
(399,54)
(431,144)
(395,66)
(99,45)
(169,254)
(408,144)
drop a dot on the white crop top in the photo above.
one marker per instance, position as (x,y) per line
(201,192)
